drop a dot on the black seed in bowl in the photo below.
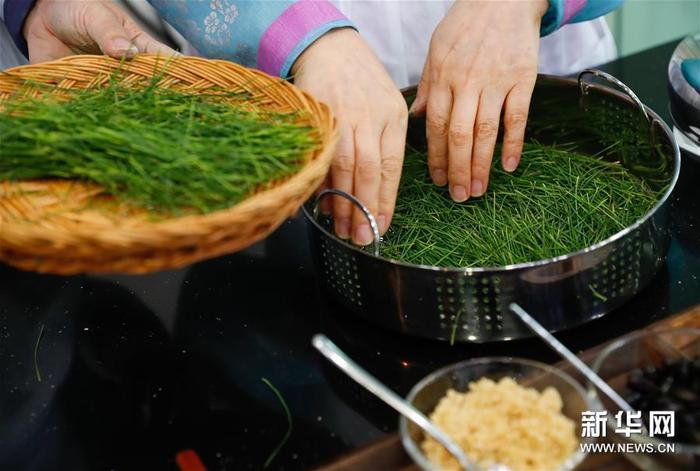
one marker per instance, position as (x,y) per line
(673,385)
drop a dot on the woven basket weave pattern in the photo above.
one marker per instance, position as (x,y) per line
(71,227)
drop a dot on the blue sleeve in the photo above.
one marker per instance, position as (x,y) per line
(561,12)
(15,13)
(223,29)
(596,8)
(265,34)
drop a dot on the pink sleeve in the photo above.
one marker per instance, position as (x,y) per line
(293,31)
(571,9)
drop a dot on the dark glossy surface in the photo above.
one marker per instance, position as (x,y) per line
(135,368)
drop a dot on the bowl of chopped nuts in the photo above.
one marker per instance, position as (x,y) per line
(503,412)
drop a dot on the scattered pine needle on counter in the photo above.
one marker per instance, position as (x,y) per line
(287,412)
(36,353)
(155,148)
(558,201)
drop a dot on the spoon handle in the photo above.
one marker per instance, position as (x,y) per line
(331,351)
(568,355)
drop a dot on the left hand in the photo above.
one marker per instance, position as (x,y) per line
(482,59)
(57,28)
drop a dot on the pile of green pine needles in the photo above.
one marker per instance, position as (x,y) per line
(558,201)
(163,150)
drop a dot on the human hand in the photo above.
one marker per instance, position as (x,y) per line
(482,59)
(341,70)
(59,28)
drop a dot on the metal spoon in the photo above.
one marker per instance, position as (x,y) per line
(331,351)
(568,355)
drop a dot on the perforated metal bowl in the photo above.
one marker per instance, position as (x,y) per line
(471,304)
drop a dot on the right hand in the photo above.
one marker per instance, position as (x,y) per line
(57,28)
(341,70)
(481,64)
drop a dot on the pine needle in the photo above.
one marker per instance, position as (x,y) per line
(159,149)
(277,449)
(557,202)
(36,354)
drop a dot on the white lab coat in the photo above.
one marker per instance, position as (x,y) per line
(400,31)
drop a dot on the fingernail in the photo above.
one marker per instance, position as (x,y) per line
(363,234)
(381,222)
(125,47)
(439,177)
(342,228)
(477,187)
(510,164)
(459,193)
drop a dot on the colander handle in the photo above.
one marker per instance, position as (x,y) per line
(583,86)
(368,214)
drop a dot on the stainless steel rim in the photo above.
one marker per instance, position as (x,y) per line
(365,211)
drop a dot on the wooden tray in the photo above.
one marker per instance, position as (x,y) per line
(388,454)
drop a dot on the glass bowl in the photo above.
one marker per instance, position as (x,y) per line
(427,393)
(616,364)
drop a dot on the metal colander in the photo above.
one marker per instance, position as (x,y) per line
(471,304)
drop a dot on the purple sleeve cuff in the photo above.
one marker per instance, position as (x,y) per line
(16,11)
(297,27)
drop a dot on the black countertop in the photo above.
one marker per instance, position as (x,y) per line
(135,369)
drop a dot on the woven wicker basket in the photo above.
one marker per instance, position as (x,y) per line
(71,227)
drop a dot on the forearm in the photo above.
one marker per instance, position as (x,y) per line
(268,35)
